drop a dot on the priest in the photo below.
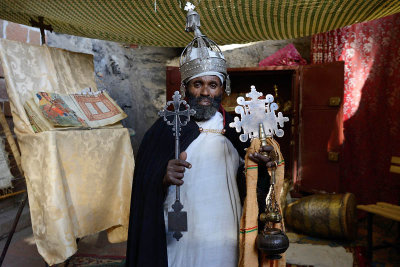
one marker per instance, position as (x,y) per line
(209,172)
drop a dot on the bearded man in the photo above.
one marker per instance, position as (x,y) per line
(207,171)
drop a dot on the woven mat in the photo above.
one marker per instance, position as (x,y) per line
(82,260)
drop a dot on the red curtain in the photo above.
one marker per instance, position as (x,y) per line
(371,52)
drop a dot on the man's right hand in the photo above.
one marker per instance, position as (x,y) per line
(175,170)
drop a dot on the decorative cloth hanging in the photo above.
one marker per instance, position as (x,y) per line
(371,104)
(79,181)
(160,22)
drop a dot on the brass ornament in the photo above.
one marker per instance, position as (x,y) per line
(334,101)
(274,217)
(262,217)
(324,215)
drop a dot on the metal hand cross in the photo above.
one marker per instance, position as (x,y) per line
(177,220)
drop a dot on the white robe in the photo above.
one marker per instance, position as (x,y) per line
(210,197)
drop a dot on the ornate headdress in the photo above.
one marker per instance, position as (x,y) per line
(201,55)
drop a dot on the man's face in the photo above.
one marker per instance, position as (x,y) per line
(204,96)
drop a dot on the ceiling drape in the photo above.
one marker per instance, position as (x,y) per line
(162,22)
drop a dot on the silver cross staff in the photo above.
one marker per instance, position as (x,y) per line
(177,219)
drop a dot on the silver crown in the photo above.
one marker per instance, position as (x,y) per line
(201,54)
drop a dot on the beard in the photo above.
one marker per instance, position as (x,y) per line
(204,112)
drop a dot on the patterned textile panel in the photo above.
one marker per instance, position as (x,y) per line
(162,22)
(371,54)
(78,181)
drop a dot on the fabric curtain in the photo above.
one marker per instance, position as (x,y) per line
(162,22)
(371,52)
(79,181)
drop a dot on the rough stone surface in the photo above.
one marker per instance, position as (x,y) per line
(1,71)
(16,32)
(3,91)
(134,77)
(34,37)
(5,106)
(249,55)
(1,28)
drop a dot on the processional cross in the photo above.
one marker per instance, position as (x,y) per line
(258,120)
(177,219)
(255,112)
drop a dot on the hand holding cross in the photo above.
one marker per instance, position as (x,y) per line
(177,220)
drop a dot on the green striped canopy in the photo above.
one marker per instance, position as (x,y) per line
(162,22)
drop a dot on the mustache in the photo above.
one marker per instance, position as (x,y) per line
(204,112)
(208,98)
(215,101)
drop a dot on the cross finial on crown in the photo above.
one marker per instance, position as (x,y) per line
(189,6)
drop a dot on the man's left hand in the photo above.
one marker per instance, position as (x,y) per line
(258,158)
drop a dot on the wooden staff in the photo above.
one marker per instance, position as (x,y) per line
(248,255)
(279,179)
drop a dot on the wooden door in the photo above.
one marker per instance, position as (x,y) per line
(320,127)
(173,82)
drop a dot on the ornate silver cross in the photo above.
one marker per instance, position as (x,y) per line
(257,111)
(177,219)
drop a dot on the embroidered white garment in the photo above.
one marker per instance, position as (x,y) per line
(210,197)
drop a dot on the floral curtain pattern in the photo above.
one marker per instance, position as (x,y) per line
(79,181)
(371,52)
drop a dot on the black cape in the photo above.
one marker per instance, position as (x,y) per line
(146,246)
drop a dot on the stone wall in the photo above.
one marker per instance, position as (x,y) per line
(135,76)
(249,55)
(252,54)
